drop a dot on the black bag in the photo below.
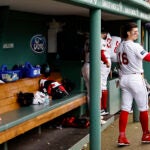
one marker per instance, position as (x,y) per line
(54,89)
(68,84)
(58,92)
(25,99)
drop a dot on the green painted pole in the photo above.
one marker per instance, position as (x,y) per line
(139,27)
(135,108)
(135,112)
(95,126)
(145,39)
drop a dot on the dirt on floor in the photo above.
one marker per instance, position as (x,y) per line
(51,138)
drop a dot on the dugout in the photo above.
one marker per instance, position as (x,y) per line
(20,21)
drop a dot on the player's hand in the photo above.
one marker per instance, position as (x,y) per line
(108,65)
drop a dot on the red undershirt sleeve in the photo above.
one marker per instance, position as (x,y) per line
(147,57)
(103,57)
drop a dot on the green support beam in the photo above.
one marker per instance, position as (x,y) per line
(145,39)
(135,109)
(95,126)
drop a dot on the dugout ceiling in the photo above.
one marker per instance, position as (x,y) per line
(50,7)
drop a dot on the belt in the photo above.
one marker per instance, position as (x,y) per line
(133,73)
(138,73)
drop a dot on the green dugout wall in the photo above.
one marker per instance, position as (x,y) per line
(18,28)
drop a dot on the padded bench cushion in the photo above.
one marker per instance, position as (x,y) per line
(23,114)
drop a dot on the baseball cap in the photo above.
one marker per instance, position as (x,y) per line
(103,30)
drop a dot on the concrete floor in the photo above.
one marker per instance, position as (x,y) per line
(63,138)
(51,138)
(133,133)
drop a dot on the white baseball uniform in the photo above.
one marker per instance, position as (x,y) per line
(104,69)
(115,41)
(130,56)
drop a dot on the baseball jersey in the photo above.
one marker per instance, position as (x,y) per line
(104,69)
(108,45)
(115,41)
(130,55)
(105,48)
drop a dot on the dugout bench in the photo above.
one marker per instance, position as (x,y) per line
(17,120)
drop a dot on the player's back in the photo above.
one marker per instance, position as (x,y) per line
(115,41)
(128,58)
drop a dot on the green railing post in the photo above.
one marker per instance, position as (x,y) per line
(145,39)
(135,112)
(95,126)
(135,109)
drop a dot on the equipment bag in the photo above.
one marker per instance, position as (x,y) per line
(53,88)
(25,99)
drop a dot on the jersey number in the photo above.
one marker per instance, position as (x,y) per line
(122,58)
(108,40)
(117,44)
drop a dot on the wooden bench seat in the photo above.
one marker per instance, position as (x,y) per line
(17,120)
(21,120)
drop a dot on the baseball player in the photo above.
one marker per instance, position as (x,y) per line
(105,68)
(86,70)
(130,56)
(108,54)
